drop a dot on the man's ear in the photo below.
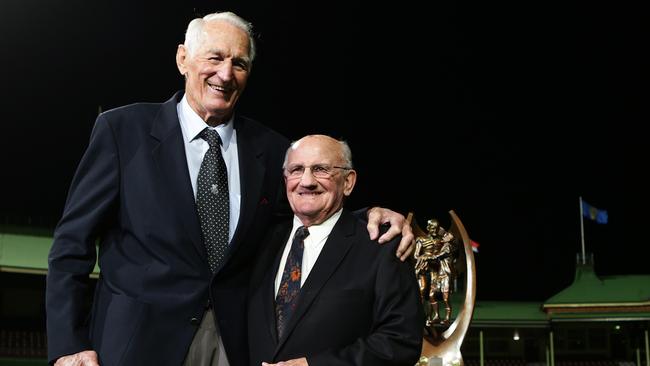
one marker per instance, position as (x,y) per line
(348,183)
(181,59)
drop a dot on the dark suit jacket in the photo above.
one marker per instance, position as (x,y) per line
(132,192)
(359,305)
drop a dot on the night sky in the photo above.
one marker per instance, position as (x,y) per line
(505,113)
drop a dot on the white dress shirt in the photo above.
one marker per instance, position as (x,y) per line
(196,147)
(314,243)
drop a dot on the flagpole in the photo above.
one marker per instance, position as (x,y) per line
(582,229)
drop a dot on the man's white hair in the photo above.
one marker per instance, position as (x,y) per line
(194,33)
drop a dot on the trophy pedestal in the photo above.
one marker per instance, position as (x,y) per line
(429,361)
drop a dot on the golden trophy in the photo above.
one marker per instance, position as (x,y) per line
(440,255)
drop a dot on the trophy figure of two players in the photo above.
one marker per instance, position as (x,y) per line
(442,257)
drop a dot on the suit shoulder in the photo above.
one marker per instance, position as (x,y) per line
(119,114)
(130,125)
(374,245)
(259,131)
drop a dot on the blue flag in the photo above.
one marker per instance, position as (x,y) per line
(589,211)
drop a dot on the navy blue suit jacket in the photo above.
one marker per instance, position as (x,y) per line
(359,305)
(132,195)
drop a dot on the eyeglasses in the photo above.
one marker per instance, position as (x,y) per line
(322,171)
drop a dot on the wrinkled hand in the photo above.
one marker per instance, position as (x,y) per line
(295,362)
(84,358)
(398,224)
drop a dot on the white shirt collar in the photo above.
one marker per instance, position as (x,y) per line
(193,124)
(317,232)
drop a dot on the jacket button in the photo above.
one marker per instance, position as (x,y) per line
(194,321)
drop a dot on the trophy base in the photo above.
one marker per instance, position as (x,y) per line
(430,361)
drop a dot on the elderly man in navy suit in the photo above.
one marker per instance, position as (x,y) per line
(324,293)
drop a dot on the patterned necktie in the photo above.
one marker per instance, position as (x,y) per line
(287,298)
(212,200)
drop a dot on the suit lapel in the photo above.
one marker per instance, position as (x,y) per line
(251,170)
(336,247)
(276,245)
(169,155)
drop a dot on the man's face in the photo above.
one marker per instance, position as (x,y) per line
(217,70)
(314,199)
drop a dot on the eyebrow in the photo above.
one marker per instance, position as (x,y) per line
(217,51)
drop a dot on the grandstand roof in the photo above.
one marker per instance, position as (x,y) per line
(601,298)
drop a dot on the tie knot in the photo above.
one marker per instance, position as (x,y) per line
(212,137)
(301,233)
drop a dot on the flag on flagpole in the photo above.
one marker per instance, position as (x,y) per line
(474,246)
(593,213)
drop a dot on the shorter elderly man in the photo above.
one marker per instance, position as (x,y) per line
(323,293)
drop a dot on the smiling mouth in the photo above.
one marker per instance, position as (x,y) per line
(309,193)
(219,88)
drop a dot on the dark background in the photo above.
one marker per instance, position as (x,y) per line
(505,113)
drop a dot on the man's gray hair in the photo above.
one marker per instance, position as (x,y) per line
(347,154)
(194,33)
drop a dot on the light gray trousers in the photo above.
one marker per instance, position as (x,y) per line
(207,348)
